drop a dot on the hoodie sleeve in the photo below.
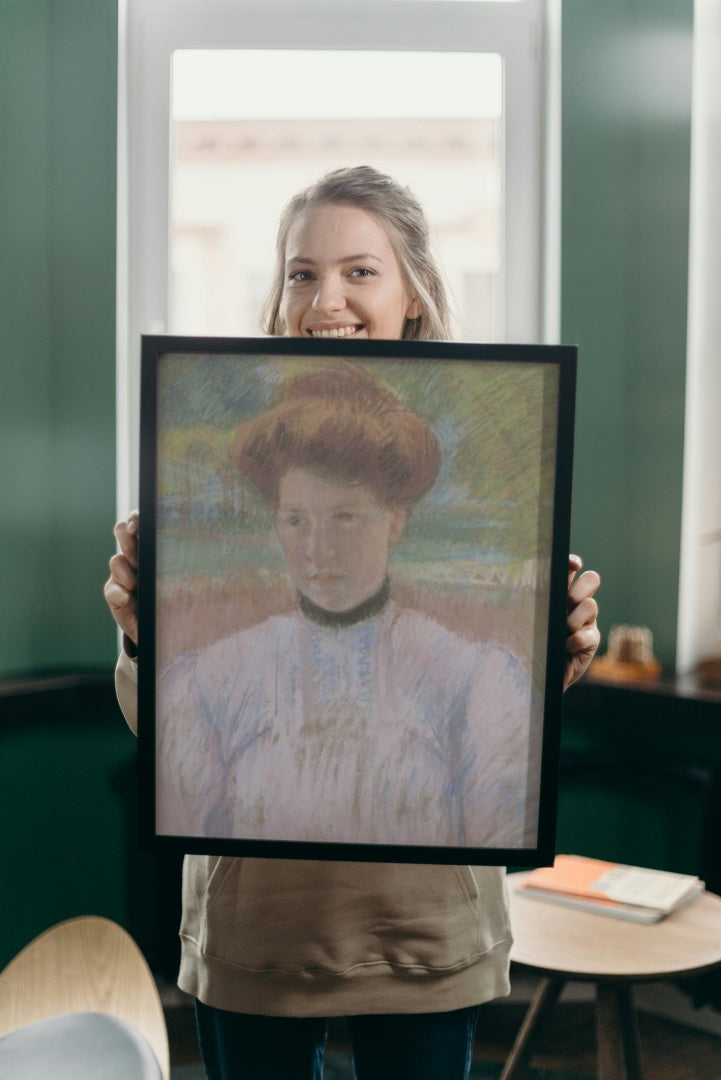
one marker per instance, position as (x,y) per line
(126,688)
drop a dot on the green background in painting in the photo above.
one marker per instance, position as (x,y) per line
(476,550)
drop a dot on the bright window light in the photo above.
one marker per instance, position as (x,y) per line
(238,156)
(222,84)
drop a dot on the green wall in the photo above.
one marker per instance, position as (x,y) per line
(66,758)
(626,137)
(625,199)
(58,72)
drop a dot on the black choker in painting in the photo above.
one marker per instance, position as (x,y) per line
(370,607)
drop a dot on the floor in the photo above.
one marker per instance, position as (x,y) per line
(669,1051)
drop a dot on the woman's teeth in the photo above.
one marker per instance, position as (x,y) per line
(337,331)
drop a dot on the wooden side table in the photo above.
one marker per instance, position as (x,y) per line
(562,944)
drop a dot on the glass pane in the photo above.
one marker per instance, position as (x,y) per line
(250,128)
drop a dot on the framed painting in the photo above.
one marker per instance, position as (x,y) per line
(352,597)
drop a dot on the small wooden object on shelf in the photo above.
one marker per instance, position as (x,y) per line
(629,657)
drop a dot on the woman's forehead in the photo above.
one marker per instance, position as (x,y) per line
(299,485)
(336,231)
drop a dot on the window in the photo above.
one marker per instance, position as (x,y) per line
(235,161)
(699,624)
(227,107)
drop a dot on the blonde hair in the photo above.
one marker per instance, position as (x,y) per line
(402,216)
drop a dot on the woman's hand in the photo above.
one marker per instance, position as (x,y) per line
(121,587)
(582,633)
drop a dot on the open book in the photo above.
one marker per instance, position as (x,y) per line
(608,888)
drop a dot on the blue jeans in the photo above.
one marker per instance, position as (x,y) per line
(415,1046)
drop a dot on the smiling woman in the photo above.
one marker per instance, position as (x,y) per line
(353,259)
(382,722)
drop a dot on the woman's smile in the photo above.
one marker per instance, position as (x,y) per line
(335,331)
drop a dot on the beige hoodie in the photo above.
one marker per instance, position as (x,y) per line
(285,937)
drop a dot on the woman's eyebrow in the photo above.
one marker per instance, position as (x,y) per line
(361,257)
(332,508)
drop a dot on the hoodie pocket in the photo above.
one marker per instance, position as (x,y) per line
(294,916)
(468,883)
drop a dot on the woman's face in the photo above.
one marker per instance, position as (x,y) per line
(336,538)
(342,277)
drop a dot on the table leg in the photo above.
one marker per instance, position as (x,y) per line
(617,1033)
(545,997)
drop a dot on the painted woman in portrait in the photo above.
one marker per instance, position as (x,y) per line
(352,718)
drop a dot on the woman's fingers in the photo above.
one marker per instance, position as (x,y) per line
(123,607)
(121,587)
(581,612)
(582,633)
(126,534)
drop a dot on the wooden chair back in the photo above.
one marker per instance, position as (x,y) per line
(87,964)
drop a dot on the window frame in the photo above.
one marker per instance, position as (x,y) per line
(526,34)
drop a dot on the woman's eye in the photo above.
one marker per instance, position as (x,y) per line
(300,276)
(345,517)
(362,272)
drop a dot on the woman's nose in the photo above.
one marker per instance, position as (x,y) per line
(319,543)
(329,296)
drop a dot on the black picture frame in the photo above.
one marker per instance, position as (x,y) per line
(478,594)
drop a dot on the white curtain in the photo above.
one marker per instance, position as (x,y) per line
(700,583)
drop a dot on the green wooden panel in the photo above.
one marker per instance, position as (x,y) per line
(58,73)
(69,799)
(64,788)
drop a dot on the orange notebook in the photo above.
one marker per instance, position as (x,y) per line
(631,892)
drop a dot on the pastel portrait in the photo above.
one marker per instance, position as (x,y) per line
(350,567)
